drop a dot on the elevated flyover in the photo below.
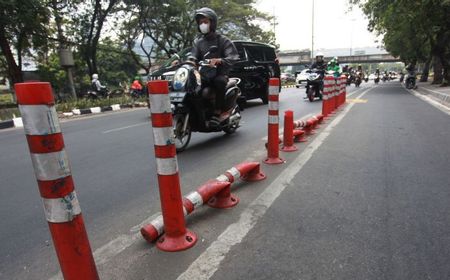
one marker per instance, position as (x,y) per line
(303,57)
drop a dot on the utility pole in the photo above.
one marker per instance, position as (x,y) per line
(274,25)
(312,33)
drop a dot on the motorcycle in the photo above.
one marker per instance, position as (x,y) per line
(93,94)
(193,104)
(410,81)
(358,79)
(314,84)
(350,79)
(137,93)
(385,78)
(377,79)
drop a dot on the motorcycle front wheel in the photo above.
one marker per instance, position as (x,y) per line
(233,127)
(311,93)
(182,138)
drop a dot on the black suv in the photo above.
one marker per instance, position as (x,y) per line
(256,65)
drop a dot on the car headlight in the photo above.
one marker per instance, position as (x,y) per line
(180,78)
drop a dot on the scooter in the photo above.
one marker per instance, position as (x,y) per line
(137,93)
(358,79)
(377,79)
(314,84)
(410,80)
(104,93)
(192,102)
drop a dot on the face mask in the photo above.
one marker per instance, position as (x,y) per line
(204,28)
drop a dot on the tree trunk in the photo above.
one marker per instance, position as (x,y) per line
(437,69)
(14,70)
(425,71)
(446,74)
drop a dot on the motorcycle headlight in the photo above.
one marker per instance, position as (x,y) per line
(180,78)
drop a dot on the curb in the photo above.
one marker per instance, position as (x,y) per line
(290,86)
(443,98)
(17,122)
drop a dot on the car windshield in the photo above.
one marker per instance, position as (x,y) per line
(183,55)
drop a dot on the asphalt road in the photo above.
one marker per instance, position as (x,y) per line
(382,213)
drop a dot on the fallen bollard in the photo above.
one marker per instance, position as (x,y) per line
(56,186)
(247,171)
(176,237)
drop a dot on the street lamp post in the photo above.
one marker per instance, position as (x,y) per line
(351,36)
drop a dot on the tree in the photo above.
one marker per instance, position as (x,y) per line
(170,25)
(414,30)
(114,64)
(22,28)
(88,19)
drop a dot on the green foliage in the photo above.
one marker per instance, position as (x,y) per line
(90,103)
(53,73)
(170,24)
(6,98)
(115,65)
(9,113)
(414,30)
(23,26)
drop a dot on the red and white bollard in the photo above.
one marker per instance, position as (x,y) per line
(176,237)
(288,132)
(247,171)
(343,89)
(272,141)
(337,90)
(54,178)
(325,101)
(329,89)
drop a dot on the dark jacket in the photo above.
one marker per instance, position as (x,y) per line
(226,50)
(319,65)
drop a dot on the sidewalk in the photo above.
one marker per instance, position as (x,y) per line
(437,93)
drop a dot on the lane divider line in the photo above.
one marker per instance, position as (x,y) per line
(209,261)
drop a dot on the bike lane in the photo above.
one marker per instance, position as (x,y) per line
(371,202)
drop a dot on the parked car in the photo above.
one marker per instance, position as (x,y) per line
(301,77)
(287,77)
(256,65)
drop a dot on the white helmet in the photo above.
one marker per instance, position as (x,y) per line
(95,76)
(320,54)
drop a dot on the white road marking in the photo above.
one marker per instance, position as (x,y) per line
(125,127)
(103,254)
(209,261)
(431,101)
(108,251)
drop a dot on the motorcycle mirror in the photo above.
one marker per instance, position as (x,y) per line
(213,49)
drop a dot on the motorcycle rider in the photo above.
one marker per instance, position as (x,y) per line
(96,85)
(136,86)
(411,69)
(223,58)
(320,65)
(360,70)
(334,66)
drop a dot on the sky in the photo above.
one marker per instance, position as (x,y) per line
(334,26)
